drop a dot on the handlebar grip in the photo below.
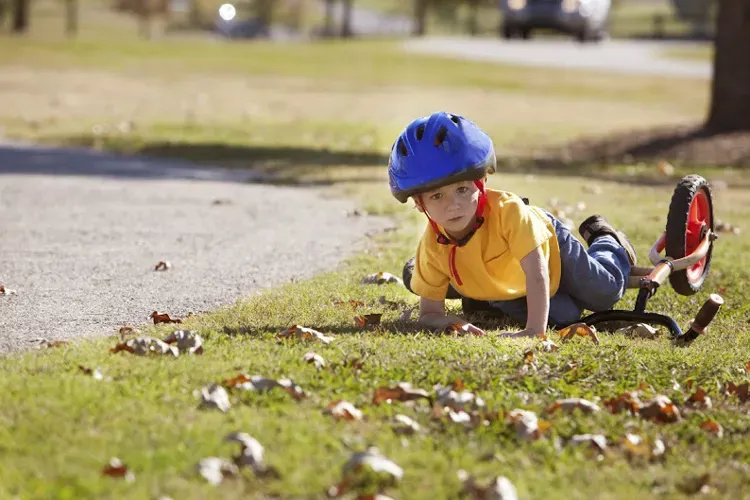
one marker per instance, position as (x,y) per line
(704,317)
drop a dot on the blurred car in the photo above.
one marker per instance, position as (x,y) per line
(584,19)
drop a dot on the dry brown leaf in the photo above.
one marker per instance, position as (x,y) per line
(499,489)
(639,330)
(215,396)
(665,168)
(712,427)
(699,397)
(596,441)
(548,345)
(142,346)
(367,470)
(527,424)
(303,333)
(43,343)
(187,341)
(96,373)
(115,468)
(367,320)
(163,265)
(215,469)
(128,330)
(351,303)
(747,367)
(528,357)
(447,396)
(260,384)
(343,410)
(636,447)
(405,425)
(382,278)
(400,392)
(6,291)
(660,409)
(456,328)
(570,366)
(627,401)
(579,329)
(314,359)
(251,454)
(568,405)
(741,391)
(163,318)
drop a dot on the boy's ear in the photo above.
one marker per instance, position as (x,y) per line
(417,203)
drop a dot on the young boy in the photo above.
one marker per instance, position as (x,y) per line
(489,247)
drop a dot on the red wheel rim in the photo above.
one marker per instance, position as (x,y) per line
(698,221)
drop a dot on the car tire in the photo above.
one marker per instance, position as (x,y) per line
(525,33)
(508,32)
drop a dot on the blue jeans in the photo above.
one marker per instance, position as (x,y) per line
(593,279)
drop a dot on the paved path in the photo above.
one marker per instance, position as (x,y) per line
(614,56)
(80,233)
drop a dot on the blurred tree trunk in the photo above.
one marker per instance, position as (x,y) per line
(71,17)
(328,19)
(2,12)
(20,16)
(730,90)
(144,18)
(346,19)
(473,21)
(420,17)
(265,12)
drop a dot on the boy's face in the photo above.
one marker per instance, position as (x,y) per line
(452,206)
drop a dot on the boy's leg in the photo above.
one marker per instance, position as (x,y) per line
(408,272)
(596,278)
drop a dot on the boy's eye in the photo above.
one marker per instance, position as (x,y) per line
(462,190)
(436,196)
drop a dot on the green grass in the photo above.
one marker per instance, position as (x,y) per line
(693,54)
(59,427)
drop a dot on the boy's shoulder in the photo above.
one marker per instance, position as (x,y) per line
(496,197)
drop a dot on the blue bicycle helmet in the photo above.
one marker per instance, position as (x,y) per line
(438,150)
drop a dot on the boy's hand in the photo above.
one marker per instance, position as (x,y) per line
(528,332)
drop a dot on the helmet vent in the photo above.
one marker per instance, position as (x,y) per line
(402,148)
(420,132)
(455,119)
(440,136)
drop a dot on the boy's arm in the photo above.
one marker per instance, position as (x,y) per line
(534,265)
(432,314)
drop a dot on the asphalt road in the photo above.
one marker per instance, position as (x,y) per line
(612,56)
(81,232)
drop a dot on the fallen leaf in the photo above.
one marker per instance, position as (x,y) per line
(699,397)
(367,319)
(580,329)
(115,468)
(712,427)
(405,425)
(596,441)
(401,392)
(367,472)
(635,447)
(568,405)
(141,346)
(696,484)
(352,303)
(741,391)
(128,330)
(343,410)
(382,278)
(527,424)
(302,333)
(96,373)
(186,340)
(163,318)
(498,489)
(215,469)
(260,384)
(569,366)
(315,359)
(456,328)
(548,345)
(446,396)
(639,330)
(627,401)
(251,455)
(215,396)
(665,168)
(7,291)
(163,265)
(660,409)
(528,357)
(43,343)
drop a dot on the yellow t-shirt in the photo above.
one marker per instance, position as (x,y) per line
(489,265)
